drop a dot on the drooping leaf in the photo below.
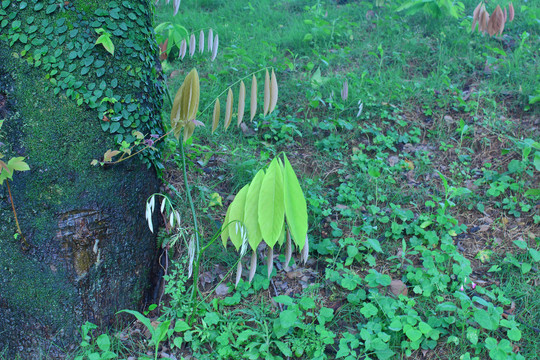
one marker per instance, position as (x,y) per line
(273,92)
(215,117)
(345,90)
(210,40)
(215,46)
(191,256)
(238,273)
(201,42)
(295,205)
(183,48)
(510,12)
(251,212)
(191,45)
(176,6)
(476,14)
(186,105)
(271,204)
(305,251)
(282,235)
(288,249)
(496,22)
(241,102)
(228,109)
(253,105)
(253,265)
(237,217)
(270,260)
(266,105)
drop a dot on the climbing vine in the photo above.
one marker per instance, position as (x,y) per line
(66,41)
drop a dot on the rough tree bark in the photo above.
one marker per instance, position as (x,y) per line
(90,250)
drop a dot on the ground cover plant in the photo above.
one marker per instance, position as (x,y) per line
(416,143)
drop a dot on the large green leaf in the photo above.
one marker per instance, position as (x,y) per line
(236,216)
(251,212)
(271,204)
(295,205)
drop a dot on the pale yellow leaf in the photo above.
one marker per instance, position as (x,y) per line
(215,46)
(215,117)
(238,273)
(201,42)
(210,40)
(266,105)
(270,260)
(241,102)
(288,249)
(186,105)
(511,12)
(305,251)
(253,265)
(228,109)
(253,108)
(273,92)
(183,48)
(192,45)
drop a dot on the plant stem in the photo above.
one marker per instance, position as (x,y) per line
(25,244)
(194,215)
(195,226)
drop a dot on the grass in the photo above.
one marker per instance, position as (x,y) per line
(438,102)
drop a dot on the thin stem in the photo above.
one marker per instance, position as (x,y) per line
(194,215)
(25,244)
(195,226)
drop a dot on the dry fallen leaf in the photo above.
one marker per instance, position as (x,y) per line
(483,228)
(398,287)
(222,290)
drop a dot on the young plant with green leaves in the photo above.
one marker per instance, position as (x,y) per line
(6,173)
(271,209)
(183,122)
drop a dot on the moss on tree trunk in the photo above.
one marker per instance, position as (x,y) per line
(90,248)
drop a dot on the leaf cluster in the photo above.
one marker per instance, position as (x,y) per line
(260,211)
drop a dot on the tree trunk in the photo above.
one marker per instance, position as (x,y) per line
(90,250)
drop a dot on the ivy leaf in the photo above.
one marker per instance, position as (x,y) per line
(105,40)
(295,205)
(271,204)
